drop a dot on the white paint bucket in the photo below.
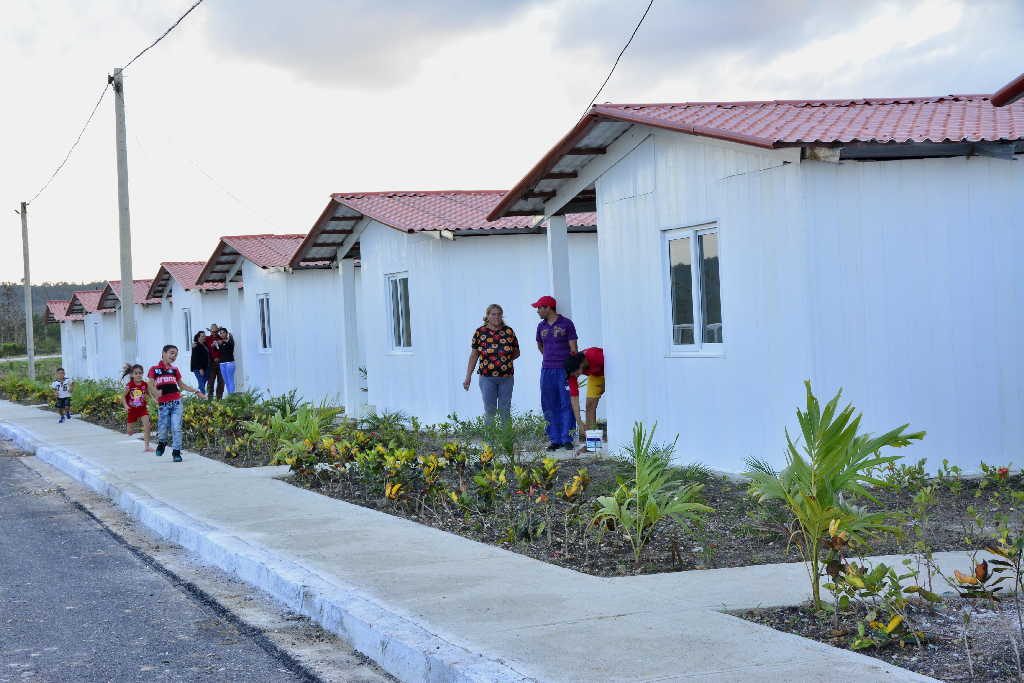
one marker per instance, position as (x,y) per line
(594,440)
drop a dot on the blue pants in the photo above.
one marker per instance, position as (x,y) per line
(168,425)
(200,379)
(497,395)
(227,371)
(554,401)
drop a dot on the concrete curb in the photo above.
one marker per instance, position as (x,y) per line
(403,648)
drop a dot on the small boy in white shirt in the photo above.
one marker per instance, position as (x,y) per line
(62,387)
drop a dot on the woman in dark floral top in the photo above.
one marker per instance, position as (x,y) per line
(493,349)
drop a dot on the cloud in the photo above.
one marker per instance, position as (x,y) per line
(801,48)
(360,42)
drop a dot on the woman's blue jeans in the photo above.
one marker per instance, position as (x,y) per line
(227,371)
(497,395)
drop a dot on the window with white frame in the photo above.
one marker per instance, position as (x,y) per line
(264,304)
(187,315)
(398,298)
(695,299)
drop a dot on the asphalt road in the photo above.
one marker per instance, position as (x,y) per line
(76,604)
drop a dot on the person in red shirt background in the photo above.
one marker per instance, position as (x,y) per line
(591,364)
(214,380)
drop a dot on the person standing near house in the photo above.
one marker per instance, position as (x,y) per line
(556,341)
(62,387)
(493,349)
(591,364)
(214,380)
(227,359)
(200,362)
(165,386)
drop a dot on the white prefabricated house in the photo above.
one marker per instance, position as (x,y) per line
(869,245)
(72,337)
(186,307)
(429,264)
(148,319)
(102,336)
(285,329)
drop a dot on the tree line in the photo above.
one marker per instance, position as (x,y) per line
(12,315)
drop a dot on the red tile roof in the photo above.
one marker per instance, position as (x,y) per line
(185,273)
(56,310)
(1009,93)
(140,289)
(265,251)
(782,123)
(457,211)
(954,118)
(85,302)
(453,210)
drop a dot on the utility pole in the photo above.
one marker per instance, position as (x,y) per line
(29,336)
(129,352)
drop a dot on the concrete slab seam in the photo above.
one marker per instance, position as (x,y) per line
(404,648)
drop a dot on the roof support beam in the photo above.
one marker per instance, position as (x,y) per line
(622,146)
(352,239)
(536,194)
(558,175)
(586,151)
(331,231)
(339,219)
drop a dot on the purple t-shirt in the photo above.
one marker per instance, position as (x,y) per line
(556,337)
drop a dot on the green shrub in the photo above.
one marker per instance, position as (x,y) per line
(650,495)
(837,462)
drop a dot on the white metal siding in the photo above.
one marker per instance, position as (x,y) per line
(917,299)
(724,408)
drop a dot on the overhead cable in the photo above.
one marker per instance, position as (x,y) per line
(164,34)
(73,145)
(102,95)
(621,52)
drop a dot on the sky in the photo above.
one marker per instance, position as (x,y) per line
(252,112)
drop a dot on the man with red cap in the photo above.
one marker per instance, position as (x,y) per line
(556,340)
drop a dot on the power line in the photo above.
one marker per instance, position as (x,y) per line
(102,95)
(73,145)
(164,34)
(621,52)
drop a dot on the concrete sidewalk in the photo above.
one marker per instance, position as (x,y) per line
(432,606)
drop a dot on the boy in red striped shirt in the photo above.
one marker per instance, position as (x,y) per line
(165,386)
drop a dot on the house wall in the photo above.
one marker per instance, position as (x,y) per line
(305,329)
(103,346)
(149,333)
(451,284)
(726,405)
(917,300)
(877,277)
(72,348)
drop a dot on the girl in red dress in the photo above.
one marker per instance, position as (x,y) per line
(134,400)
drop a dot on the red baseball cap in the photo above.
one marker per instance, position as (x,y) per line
(548,301)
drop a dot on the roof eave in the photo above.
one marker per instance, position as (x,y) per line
(1009,93)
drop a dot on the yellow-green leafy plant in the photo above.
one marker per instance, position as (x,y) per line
(653,493)
(833,463)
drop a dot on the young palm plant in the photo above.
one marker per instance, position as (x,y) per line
(836,462)
(652,494)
